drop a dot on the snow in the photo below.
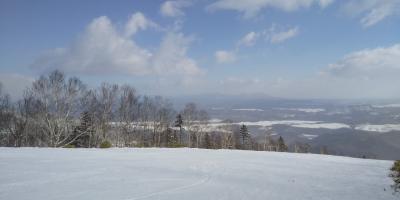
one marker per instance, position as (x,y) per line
(215,120)
(249,109)
(382,128)
(217,125)
(293,123)
(307,110)
(276,122)
(311,110)
(153,173)
(323,125)
(309,136)
(387,106)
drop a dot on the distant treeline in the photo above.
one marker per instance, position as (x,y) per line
(60,111)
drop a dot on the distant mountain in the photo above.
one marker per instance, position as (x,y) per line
(256,100)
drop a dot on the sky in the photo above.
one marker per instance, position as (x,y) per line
(327,49)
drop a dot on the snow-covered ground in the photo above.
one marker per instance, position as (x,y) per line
(396,105)
(306,110)
(128,174)
(309,136)
(293,123)
(248,109)
(218,124)
(382,128)
(322,125)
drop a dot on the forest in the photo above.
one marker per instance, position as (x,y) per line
(61,111)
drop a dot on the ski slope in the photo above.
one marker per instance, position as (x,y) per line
(157,173)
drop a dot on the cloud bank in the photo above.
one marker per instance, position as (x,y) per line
(104,49)
(367,73)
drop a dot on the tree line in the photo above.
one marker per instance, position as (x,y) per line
(61,111)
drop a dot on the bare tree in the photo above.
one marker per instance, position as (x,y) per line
(17,123)
(5,117)
(127,113)
(301,147)
(195,121)
(90,106)
(202,126)
(227,135)
(189,113)
(147,110)
(106,97)
(58,103)
(165,115)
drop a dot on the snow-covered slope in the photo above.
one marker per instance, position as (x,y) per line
(128,174)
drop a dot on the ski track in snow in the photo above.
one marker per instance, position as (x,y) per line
(183,173)
(195,184)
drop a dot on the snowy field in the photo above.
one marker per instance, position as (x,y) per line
(128,174)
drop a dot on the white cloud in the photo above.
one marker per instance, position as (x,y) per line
(275,36)
(368,73)
(251,8)
(102,49)
(137,22)
(249,39)
(173,8)
(368,63)
(171,56)
(222,56)
(325,3)
(372,11)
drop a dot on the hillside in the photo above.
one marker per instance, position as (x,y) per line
(156,173)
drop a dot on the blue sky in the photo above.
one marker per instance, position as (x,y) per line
(283,48)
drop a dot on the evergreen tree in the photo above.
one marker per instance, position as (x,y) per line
(244,134)
(281,146)
(83,132)
(179,123)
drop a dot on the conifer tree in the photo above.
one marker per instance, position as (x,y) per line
(281,146)
(179,123)
(244,134)
(82,133)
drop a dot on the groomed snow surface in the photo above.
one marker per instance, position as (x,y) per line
(157,173)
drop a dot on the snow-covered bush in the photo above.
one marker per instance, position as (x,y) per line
(69,146)
(395,174)
(176,145)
